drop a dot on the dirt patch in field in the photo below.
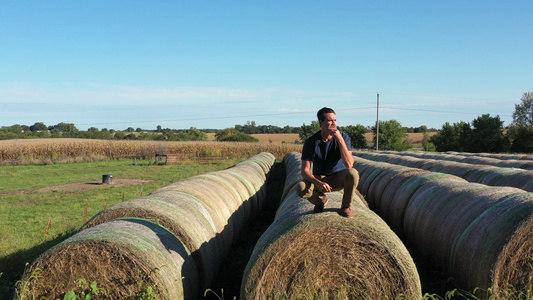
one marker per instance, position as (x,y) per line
(78,186)
(84,186)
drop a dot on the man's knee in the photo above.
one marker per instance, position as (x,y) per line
(353,176)
(302,189)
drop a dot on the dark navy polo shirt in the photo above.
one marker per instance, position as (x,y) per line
(325,156)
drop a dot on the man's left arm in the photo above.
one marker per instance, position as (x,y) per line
(346,154)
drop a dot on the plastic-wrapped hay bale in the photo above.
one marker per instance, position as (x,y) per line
(237,187)
(183,216)
(440,211)
(522,180)
(325,255)
(496,249)
(456,168)
(379,182)
(496,175)
(124,257)
(397,195)
(368,176)
(292,171)
(408,161)
(217,207)
(255,185)
(376,156)
(429,164)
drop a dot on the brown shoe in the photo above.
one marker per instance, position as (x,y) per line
(346,212)
(320,207)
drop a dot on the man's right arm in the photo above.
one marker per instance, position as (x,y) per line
(307,175)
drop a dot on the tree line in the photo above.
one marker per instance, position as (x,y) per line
(484,134)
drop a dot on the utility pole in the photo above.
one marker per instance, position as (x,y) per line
(377,126)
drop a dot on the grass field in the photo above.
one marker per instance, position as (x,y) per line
(42,205)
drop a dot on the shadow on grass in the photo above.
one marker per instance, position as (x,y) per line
(12,266)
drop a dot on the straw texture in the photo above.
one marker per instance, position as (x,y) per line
(198,218)
(327,256)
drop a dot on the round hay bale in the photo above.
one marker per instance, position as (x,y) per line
(379,183)
(496,175)
(389,191)
(479,253)
(522,180)
(368,176)
(218,208)
(445,209)
(414,206)
(478,173)
(481,160)
(124,257)
(429,164)
(256,186)
(293,164)
(265,160)
(456,168)
(215,186)
(407,161)
(238,187)
(514,163)
(186,219)
(398,193)
(326,256)
(514,267)
(376,156)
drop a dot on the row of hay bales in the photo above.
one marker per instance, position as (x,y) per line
(472,169)
(479,235)
(503,160)
(326,256)
(170,242)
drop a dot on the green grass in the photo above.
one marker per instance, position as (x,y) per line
(31,197)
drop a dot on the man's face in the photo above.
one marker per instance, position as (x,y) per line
(329,123)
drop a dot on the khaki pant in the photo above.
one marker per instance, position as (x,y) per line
(346,180)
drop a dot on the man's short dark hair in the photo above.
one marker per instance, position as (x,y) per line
(321,113)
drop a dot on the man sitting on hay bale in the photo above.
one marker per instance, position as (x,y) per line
(329,152)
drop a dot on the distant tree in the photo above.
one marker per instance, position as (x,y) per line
(521,139)
(17,129)
(102,134)
(66,129)
(427,144)
(139,129)
(92,129)
(357,135)
(487,135)
(452,137)
(392,136)
(119,135)
(521,130)
(306,131)
(523,114)
(192,134)
(233,135)
(130,129)
(39,126)
(159,128)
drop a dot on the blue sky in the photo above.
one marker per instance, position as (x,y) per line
(215,64)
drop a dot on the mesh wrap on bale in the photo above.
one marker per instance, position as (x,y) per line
(489,171)
(478,235)
(201,216)
(325,255)
(182,215)
(123,256)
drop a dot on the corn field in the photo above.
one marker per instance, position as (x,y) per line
(74,150)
